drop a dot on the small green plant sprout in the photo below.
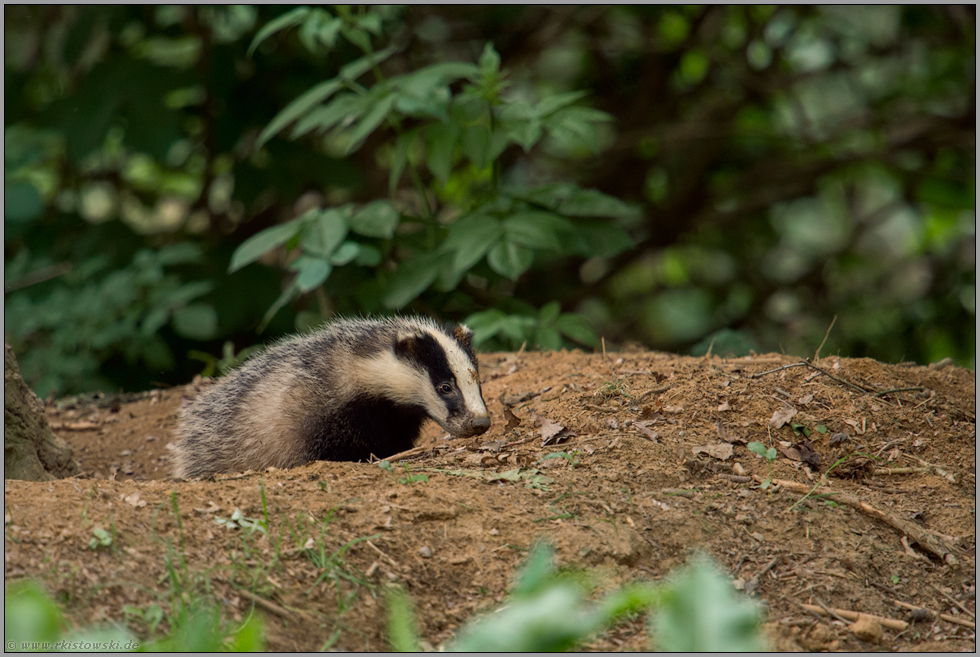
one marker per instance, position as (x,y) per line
(410,478)
(239,521)
(572,458)
(768,454)
(386,466)
(100,539)
(151,615)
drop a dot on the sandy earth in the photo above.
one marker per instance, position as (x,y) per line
(651,464)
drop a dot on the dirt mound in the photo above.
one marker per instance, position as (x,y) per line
(626,463)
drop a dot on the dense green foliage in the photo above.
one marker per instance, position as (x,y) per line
(178,177)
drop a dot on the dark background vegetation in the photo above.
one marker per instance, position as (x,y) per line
(786,165)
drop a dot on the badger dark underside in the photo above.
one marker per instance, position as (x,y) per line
(362,428)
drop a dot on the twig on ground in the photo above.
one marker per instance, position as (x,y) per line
(379,551)
(848,615)
(932,542)
(895,471)
(270,606)
(836,378)
(953,600)
(407,454)
(933,467)
(784,367)
(888,392)
(831,612)
(945,617)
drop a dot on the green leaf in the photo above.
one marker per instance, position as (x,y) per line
(198,321)
(346,107)
(489,60)
(474,143)
(577,328)
(600,239)
(467,109)
(346,253)
(440,141)
(312,272)
(536,573)
(297,108)
(400,158)
(261,243)
(547,338)
(402,632)
(757,448)
(412,278)
(593,203)
(323,232)
(378,113)
(537,229)
(470,238)
(551,104)
(356,69)
(549,312)
(509,259)
(289,19)
(705,614)
(376,219)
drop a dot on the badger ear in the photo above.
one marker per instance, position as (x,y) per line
(407,344)
(464,334)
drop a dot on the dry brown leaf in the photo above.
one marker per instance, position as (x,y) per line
(652,436)
(806,399)
(549,429)
(781,417)
(724,406)
(791,453)
(722,451)
(512,420)
(673,409)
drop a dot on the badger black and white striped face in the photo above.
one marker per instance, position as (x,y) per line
(439,371)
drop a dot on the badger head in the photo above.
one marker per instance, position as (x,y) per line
(438,372)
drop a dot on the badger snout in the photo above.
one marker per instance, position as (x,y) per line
(475,426)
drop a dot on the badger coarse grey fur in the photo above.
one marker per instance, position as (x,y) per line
(353,389)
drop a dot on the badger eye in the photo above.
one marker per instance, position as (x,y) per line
(445,388)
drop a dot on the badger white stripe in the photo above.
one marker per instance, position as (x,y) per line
(464,369)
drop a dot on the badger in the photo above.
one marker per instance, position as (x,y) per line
(353,389)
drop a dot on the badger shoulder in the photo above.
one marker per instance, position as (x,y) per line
(353,389)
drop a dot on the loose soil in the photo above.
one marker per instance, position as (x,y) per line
(646,462)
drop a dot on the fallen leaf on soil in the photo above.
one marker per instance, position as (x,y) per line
(133,499)
(721,451)
(808,455)
(781,417)
(673,409)
(839,438)
(791,453)
(806,399)
(512,420)
(724,407)
(652,436)
(549,429)
(856,425)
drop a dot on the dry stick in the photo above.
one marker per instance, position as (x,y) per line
(929,541)
(407,454)
(953,600)
(888,392)
(784,367)
(269,606)
(894,471)
(816,355)
(945,617)
(835,378)
(932,466)
(890,623)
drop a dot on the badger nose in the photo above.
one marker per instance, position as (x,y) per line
(479,425)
